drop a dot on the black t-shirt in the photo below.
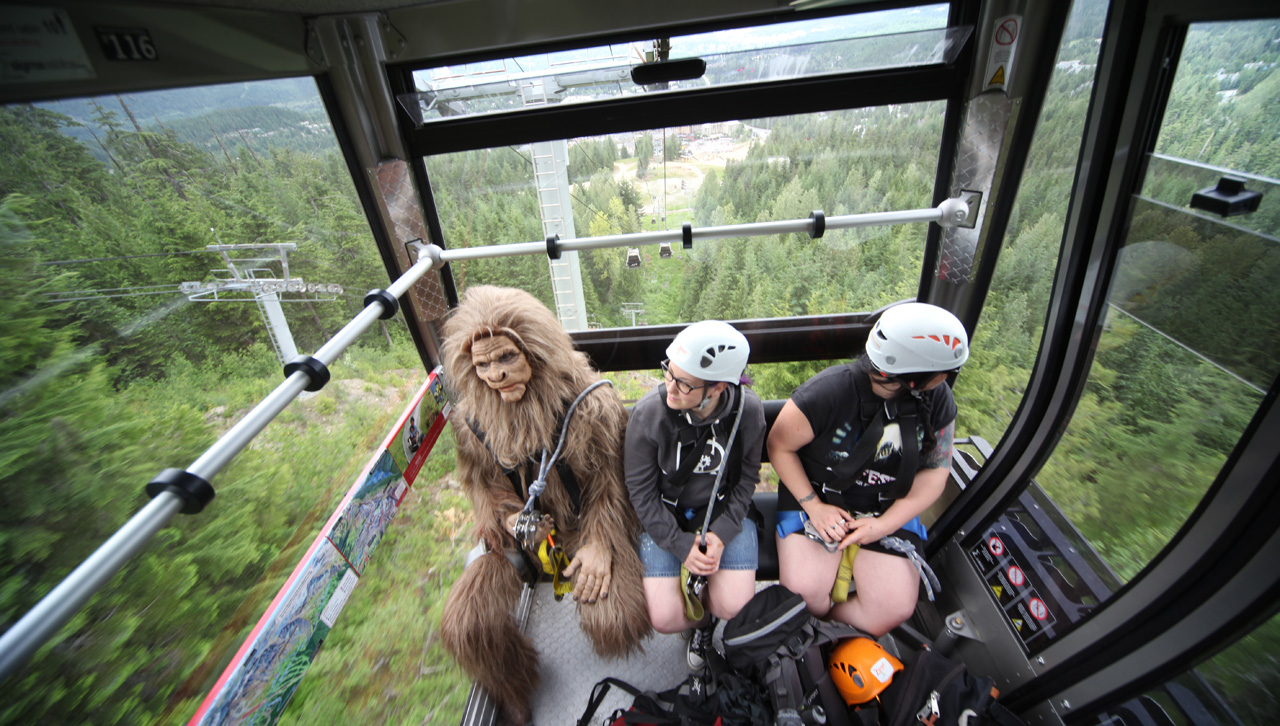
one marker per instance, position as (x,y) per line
(836,413)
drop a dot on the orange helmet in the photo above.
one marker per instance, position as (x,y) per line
(861,669)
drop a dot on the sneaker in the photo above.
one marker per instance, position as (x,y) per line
(699,641)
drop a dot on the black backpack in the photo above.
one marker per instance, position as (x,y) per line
(776,642)
(936,691)
(727,699)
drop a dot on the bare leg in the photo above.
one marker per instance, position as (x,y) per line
(666,605)
(886,596)
(809,570)
(729,590)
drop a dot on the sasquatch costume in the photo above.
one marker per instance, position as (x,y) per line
(477,628)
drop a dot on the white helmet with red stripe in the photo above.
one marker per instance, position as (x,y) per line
(917,337)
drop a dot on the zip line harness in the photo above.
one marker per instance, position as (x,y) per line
(692,586)
(531,531)
(838,480)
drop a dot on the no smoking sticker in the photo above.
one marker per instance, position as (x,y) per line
(1007,32)
(1004,45)
(996,545)
(1038,609)
(1016,577)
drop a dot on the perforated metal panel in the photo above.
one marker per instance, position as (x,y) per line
(404,215)
(977,157)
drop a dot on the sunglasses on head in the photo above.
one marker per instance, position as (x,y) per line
(912,380)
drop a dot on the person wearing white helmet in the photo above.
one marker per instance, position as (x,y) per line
(692,461)
(862,450)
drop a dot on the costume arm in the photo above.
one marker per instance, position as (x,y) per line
(729,524)
(606,516)
(492,498)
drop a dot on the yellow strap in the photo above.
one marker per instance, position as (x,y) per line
(693,607)
(844,575)
(554,561)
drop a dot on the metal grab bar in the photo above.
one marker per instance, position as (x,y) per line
(950,213)
(62,602)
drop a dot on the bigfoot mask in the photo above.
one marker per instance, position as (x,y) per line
(502,366)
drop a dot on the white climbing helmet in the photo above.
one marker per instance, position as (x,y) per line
(917,337)
(711,350)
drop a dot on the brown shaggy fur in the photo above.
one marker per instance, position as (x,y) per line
(477,626)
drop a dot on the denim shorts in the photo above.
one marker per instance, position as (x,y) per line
(740,554)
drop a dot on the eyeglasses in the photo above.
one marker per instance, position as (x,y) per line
(681,384)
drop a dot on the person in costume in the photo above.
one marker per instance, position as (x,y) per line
(862,449)
(692,463)
(516,377)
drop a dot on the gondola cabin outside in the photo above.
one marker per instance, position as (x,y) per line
(197,194)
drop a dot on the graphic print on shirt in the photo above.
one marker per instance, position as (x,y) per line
(890,442)
(710,462)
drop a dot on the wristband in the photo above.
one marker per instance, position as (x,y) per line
(812,495)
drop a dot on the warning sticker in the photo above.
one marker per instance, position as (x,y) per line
(989,553)
(1008,583)
(1038,609)
(1031,617)
(1016,577)
(1004,45)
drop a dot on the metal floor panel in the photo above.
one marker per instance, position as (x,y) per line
(570,668)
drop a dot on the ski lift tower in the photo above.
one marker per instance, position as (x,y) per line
(251,276)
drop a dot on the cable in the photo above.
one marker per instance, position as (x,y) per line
(124,257)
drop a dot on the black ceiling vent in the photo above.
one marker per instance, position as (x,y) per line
(1227,199)
(685,69)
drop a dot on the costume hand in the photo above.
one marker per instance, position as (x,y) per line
(590,572)
(867,530)
(705,563)
(831,522)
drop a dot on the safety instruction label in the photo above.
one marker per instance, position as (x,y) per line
(39,45)
(1031,617)
(1004,46)
(998,560)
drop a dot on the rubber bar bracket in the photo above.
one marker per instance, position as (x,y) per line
(553,246)
(686,235)
(819,220)
(390,305)
(194,491)
(315,370)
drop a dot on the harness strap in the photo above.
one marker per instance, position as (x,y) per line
(670,491)
(518,478)
(875,414)
(927,576)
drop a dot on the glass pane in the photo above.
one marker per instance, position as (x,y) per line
(1008,334)
(1237,686)
(783,168)
(114,371)
(886,39)
(1187,350)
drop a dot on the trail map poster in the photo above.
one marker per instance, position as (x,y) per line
(265,672)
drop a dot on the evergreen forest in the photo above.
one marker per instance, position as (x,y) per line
(108,204)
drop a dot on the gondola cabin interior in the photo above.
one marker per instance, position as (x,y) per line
(1107,173)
